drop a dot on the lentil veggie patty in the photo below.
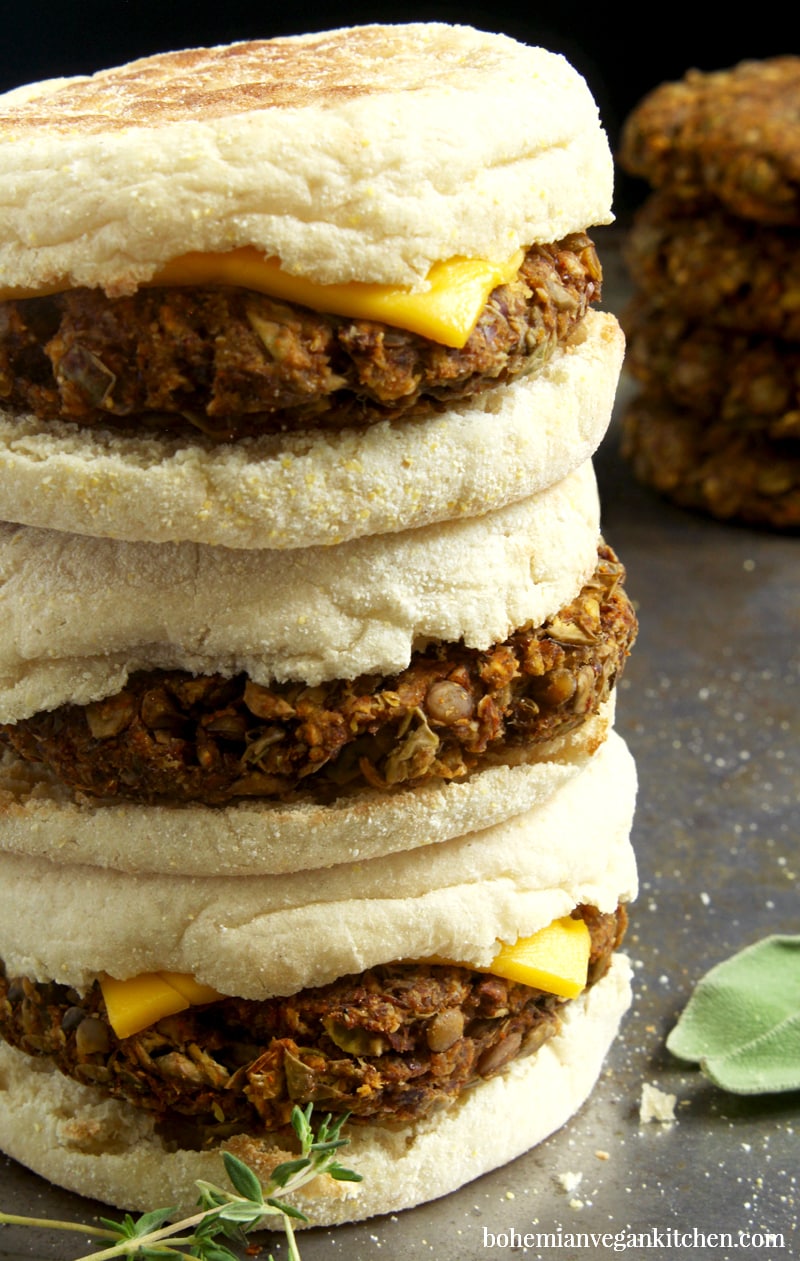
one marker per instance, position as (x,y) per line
(731,273)
(726,470)
(734,134)
(231,362)
(737,379)
(170,736)
(389,1044)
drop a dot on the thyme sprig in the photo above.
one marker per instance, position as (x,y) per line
(230,1214)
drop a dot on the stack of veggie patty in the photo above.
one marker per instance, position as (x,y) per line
(714,332)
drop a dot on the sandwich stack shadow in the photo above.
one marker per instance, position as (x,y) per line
(310,791)
(713,331)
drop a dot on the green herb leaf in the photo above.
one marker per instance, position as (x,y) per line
(288,1210)
(282,1173)
(332,1145)
(742,1023)
(152,1221)
(231,1231)
(301,1124)
(126,1229)
(118,1228)
(210,1196)
(240,1212)
(344,1175)
(243,1178)
(222,1212)
(217,1252)
(330,1129)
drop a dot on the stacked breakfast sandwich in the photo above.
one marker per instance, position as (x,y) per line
(310,791)
(714,331)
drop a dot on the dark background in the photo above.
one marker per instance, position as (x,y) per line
(622,50)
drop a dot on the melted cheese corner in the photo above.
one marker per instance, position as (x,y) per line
(446,312)
(143,1000)
(556,960)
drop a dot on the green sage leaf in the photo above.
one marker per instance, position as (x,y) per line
(742,1023)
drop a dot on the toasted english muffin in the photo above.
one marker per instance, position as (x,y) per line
(363,154)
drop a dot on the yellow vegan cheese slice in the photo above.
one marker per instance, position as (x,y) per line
(446,311)
(143,1000)
(191,989)
(555,959)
